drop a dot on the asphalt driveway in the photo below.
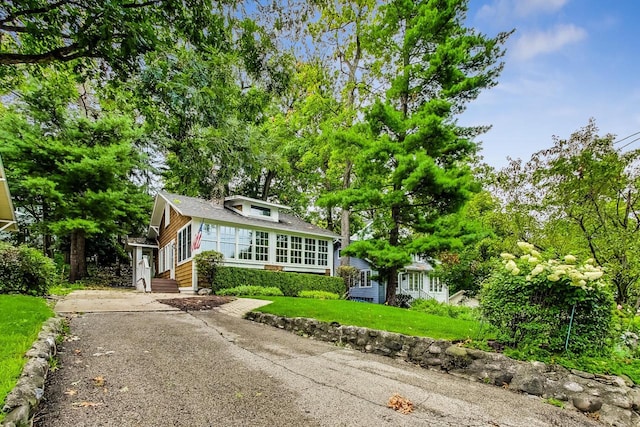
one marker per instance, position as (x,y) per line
(168,368)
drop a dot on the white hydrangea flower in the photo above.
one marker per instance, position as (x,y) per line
(537,270)
(593,275)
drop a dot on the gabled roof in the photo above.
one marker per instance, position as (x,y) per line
(7,213)
(200,208)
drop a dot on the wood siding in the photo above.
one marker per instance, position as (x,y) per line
(168,234)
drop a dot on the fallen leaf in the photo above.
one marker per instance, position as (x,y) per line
(71,392)
(99,381)
(124,389)
(77,351)
(400,404)
(85,404)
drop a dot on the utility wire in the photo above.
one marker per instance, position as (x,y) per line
(628,143)
(626,137)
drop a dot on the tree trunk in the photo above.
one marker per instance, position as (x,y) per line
(77,259)
(46,235)
(345,239)
(266,188)
(345,216)
(394,239)
(392,284)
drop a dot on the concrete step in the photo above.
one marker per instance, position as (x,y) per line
(168,286)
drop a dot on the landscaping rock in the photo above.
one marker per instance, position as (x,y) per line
(612,397)
(587,403)
(22,401)
(573,386)
(204,291)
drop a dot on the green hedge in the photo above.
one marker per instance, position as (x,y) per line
(289,283)
(25,270)
(251,291)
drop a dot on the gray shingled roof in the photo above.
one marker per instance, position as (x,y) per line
(200,208)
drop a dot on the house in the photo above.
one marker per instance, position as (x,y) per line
(250,233)
(416,279)
(7,213)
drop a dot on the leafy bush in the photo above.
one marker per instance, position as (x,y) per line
(252,291)
(531,302)
(432,306)
(318,295)
(289,283)
(207,265)
(349,274)
(25,270)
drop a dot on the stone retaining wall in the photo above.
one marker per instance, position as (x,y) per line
(23,400)
(615,400)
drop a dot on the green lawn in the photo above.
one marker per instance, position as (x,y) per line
(21,318)
(377,316)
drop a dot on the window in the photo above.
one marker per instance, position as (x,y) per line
(364,281)
(296,250)
(228,241)
(165,258)
(161,268)
(414,281)
(260,211)
(209,240)
(323,252)
(184,243)
(434,284)
(262,246)
(282,248)
(309,251)
(244,243)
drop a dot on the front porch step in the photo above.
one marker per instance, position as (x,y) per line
(166,286)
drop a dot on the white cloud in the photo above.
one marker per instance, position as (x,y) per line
(501,10)
(530,7)
(541,42)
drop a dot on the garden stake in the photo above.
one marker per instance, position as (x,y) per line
(573,311)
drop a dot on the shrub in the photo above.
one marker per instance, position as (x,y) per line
(251,291)
(318,295)
(531,301)
(289,283)
(25,270)
(349,274)
(207,265)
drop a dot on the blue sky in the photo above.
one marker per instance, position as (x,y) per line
(568,61)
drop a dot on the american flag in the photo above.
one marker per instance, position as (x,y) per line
(196,241)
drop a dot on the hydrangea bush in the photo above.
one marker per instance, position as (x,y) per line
(531,300)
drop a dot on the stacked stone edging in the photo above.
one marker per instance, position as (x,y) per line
(615,399)
(22,401)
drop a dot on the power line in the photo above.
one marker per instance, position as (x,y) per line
(627,137)
(628,143)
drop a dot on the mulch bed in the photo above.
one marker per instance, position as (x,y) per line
(197,303)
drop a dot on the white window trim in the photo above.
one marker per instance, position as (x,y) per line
(177,255)
(167,215)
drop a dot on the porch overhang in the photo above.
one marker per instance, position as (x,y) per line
(7,213)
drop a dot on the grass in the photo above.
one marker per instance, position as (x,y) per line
(66,288)
(21,318)
(376,316)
